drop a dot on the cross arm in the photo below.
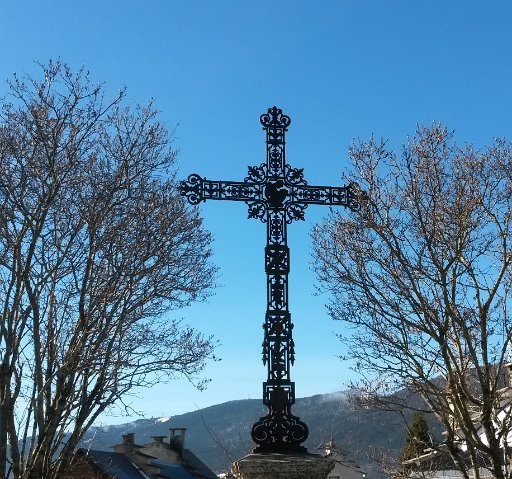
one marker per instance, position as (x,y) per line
(197,189)
(349,195)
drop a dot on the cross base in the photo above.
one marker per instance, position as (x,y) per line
(282,466)
(279,430)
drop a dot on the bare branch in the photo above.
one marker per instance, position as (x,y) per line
(421,276)
(97,248)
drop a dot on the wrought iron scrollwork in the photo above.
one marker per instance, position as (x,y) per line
(192,189)
(257,174)
(274,119)
(294,176)
(279,430)
(355,197)
(276,194)
(294,212)
(276,230)
(257,210)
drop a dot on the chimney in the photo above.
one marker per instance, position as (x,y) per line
(177,439)
(129,439)
(158,439)
(330,447)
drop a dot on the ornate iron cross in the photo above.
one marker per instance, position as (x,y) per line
(276,194)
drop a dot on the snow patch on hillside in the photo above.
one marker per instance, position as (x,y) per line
(162,419)
(336,396)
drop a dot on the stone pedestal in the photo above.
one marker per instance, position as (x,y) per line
(282,466)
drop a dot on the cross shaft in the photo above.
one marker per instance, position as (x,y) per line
(276,194)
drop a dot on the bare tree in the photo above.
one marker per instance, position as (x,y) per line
(421,277)
(96,245)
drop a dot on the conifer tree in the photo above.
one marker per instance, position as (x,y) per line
(417,438)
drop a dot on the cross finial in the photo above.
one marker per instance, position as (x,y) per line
(274,118)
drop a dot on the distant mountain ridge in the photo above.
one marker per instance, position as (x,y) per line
(220,434)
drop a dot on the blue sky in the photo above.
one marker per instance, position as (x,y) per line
(341,69)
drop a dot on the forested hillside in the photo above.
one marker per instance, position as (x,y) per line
(221,434)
